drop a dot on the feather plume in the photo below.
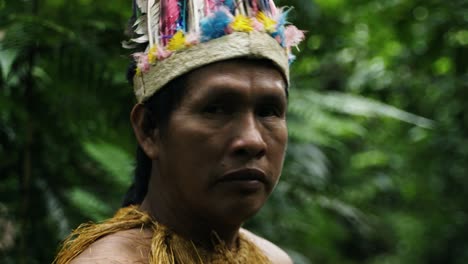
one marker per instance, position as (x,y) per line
(140,26)
(242,24)
(254,5)
(177,42)
(141,59)
(214,25)
(196,14)
(142,39)
(257,25)
(170,12)
(163,53)
(269,24)
(209,6)
(192,38)
(191,16)
(153,54)
(273,9)
(265,6)
(280,23)
(142,6)
(231,5)
(183,16)
(153,21)
(293,36)
(129,44)
(291,57)
(241,9)
(282,15)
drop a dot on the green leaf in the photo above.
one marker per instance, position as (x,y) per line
(362,106)
(7,58)
(112,159)
(372,158)
(89,204)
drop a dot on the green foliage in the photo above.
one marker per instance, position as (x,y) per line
(376,164)
(116,162)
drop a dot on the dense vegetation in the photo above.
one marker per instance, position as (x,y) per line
(377,161)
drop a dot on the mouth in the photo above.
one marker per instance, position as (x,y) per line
(244,175)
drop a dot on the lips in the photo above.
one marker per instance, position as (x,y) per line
(247,174)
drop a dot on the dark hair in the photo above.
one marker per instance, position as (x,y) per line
(158,110)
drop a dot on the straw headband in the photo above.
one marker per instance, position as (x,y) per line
(182,35)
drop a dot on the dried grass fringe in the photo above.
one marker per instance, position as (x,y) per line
(166,246)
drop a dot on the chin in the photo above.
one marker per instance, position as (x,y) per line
(236,213)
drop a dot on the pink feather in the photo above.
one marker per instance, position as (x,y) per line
(257,25)
(273,9)
(192,38)
(163,53)
(254,7)
(293,36)
(210,5)
(142,61)
(170,12)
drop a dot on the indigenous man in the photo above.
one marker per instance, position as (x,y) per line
(211,127)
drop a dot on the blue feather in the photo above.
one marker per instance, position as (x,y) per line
(280,27)
(291,58)
(282,19)
(214,26)
(182,20)
(265,6)
(231,5)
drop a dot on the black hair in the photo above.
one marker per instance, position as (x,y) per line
(158,110)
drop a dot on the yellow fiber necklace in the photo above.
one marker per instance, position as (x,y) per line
(166,246)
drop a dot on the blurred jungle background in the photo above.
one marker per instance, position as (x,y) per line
(376,170)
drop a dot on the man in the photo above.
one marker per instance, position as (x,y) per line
(212,136)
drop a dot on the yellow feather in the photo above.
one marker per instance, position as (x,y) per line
(241,23)
(152,54)
(177,41)
(268,23)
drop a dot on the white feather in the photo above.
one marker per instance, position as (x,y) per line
(153,16)
(129,44)
(190,17)
(140,26)
(241,9)
(142,39)
(197,13)
(142,6)
(156,17)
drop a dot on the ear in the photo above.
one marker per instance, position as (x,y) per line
(148,141)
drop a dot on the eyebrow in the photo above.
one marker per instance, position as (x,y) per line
(226,93)
(227,90)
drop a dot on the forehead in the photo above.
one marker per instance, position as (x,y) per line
(239,75)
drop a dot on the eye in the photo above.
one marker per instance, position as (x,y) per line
(269,110)
(215,109)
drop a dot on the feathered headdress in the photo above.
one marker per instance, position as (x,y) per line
(181,35)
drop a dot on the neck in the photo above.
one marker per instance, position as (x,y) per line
(186,223)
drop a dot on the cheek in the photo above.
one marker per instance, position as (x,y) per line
(280,139)
(278,143)
(193,151)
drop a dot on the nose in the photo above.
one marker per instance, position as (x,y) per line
(248,142)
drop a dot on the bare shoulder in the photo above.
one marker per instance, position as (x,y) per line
(129,246)
(272,251)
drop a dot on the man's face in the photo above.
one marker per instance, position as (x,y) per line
(223,151)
